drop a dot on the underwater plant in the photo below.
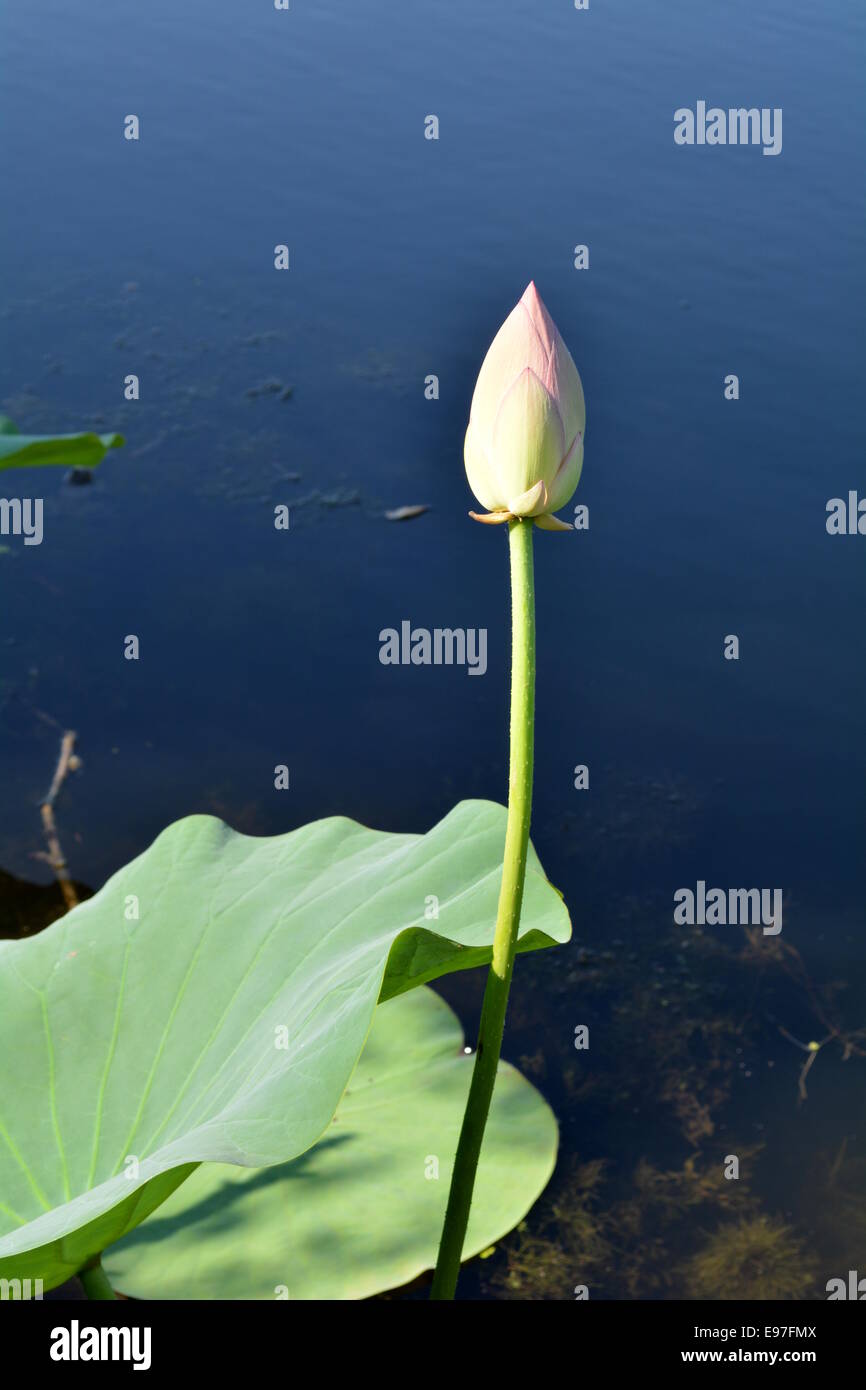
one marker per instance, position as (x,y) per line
(755,1258)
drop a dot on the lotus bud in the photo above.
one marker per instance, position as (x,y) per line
(524,444)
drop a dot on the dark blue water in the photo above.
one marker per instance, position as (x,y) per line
(707,516)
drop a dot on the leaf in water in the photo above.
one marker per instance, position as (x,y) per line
(67,450)
(209,1005)
(362,1210)
(406,513)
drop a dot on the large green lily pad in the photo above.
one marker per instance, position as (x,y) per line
(68,450)
(362,1210)
(209,1005)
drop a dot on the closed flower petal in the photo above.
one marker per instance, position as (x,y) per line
(524,444)
(530,503)
(562,378)
(567,476)
(481,478)
(528,440)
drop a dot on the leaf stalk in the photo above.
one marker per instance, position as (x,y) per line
(95,1281)
(520,533)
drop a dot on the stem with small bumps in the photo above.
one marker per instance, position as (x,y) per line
(508,914)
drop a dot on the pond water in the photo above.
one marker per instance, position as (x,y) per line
(707,518)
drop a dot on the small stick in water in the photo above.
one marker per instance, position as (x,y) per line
(66,763)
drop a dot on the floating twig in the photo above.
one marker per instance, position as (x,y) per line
(66,763)
(406,513)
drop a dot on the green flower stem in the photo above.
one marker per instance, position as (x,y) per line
(95,1281)
(508,913)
